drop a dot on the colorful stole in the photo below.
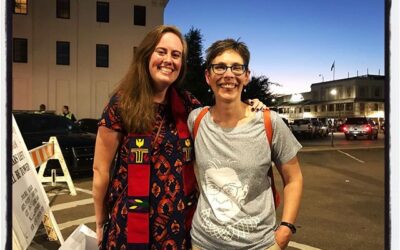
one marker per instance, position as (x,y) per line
(139,161)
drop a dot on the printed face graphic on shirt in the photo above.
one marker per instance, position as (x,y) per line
(225,192)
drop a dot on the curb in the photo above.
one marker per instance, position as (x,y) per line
(329,148)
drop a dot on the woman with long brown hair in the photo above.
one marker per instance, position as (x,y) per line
(146,202)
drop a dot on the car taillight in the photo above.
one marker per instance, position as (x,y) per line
(367,127)
(344,128)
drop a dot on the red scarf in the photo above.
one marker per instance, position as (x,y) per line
(139,176)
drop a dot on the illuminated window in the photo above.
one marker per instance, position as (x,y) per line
(349,106)
(139,15)
(20,6)
(362,107)
(63,7)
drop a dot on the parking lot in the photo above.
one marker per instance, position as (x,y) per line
(342,206)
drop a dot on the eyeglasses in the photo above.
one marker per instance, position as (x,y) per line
(229,189)
(237,69)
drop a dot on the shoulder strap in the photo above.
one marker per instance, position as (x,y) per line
(269,131)
(268,126)
(196,125)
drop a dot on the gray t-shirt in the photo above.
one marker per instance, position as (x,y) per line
(236,207)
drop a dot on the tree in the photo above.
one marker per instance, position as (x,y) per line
(194,80)
(259,87)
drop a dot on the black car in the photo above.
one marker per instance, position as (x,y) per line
(88,125)
(76,145)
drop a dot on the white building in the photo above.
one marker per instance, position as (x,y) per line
(338,99)
(74,52)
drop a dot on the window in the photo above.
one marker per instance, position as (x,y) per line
(139,15)
(339,107)
(323,108)
(20,50)
(377,92)
(103,10)
(62,9)
(20,6)
(307,109)
(362,107)
(362,92)
(348,90)
(375,107)
(331,107)
(349,106)
(102,55)
(62,53)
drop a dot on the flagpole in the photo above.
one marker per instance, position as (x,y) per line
(334,68)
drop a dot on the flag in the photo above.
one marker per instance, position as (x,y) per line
(333,65)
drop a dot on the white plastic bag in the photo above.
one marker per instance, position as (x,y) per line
(82,238)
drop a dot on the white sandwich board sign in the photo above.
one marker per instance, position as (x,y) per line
(29,198)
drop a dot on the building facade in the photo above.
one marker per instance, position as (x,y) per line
(74,52)
(337,100)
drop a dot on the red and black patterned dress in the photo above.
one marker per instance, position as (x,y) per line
(166,199)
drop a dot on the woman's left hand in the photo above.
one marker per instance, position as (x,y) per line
(282,236)
(256,105)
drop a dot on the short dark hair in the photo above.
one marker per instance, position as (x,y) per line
(66,107)
(42,107)
(220,46)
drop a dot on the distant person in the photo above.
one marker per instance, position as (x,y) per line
(42,109)
(66,113)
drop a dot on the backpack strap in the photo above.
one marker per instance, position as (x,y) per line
(269,132)
(196,125)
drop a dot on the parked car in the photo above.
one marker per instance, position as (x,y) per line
(323,129)
(360,126)
(76,145)
(305,127)
(88,125)
(340,127)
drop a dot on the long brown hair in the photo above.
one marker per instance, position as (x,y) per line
(136,88)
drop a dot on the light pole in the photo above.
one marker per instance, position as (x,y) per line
(322,76)
(333,93)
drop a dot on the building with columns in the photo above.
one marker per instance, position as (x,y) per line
(74,52)
(337,100)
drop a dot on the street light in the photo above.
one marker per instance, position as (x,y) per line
(333,93)
(321,75)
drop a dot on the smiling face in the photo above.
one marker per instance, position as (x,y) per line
(166,61)
(227,86)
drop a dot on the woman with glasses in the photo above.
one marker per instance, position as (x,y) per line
(150,198)
(236,206)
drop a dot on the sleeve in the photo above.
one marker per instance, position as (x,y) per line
(111,117)
(192,117)
(284,144)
